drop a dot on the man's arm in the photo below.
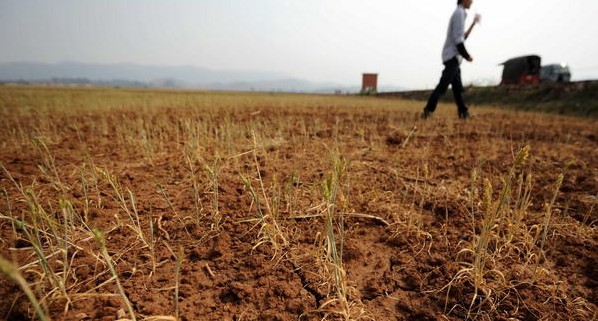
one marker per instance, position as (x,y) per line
(458,33)
(463,52)
(476,19)
(469,30)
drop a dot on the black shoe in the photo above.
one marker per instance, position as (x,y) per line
(464,115)
(426,114)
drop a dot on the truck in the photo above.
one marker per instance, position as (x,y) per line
(555,73)
(528,69)
(521,70)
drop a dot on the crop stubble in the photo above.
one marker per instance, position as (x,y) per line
(292,207)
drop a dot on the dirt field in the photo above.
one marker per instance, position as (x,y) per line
(236,207)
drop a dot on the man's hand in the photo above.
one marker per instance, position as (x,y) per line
(470,58)
(477,18)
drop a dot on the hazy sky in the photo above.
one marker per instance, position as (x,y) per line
(316,40)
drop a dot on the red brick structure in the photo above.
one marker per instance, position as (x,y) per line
(369,83)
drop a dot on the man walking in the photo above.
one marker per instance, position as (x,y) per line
(452,54)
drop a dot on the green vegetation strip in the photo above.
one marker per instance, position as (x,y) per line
(573,99)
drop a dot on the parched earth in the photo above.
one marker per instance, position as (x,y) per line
(275,207)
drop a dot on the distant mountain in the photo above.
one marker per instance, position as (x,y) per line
(145,73)
(277,85)
(134,75)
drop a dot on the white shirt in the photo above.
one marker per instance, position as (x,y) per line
(455,34)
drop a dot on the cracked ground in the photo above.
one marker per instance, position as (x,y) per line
(231,206)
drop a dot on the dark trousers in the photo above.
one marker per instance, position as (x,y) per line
(451,75)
